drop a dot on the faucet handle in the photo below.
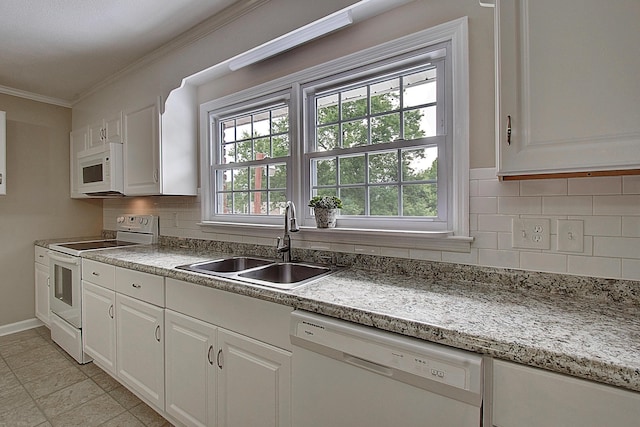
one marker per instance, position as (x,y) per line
(278,240)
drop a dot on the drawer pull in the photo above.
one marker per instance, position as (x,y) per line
(135,285)
(209,358)
(219,358)
(157,333)
(95,273)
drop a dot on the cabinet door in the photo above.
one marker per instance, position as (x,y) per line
(141,151)
(190,353)
(530,397)
(96,135)
(565,80)
(113,129)
(42,292)
(140,348)
(99,325)
(78,140)
(254,383)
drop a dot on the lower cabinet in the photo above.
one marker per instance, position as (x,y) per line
(190,369)
(99,325)
(42,284)
(252,375)
(216,365)
(140,347)
(211,369)
(530,397)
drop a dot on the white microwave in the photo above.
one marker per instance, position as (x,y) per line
(100,170)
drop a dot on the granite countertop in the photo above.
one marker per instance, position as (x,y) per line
(579,336)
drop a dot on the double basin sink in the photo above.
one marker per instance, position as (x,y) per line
(259,271)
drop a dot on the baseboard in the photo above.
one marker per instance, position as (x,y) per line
(12,328)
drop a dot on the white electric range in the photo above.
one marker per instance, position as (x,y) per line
(65,273)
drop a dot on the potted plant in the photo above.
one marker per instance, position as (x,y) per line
(325,209)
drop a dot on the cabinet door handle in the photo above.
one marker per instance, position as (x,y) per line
(157,333)
(135,285)
(219,359)
(209,358)
(95,273)
(48,282)
(111,311)
(509,130)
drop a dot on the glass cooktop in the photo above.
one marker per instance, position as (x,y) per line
(96,244)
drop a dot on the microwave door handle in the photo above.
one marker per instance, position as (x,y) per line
(62,258)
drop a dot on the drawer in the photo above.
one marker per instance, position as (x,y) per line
(268,322)
(41,256)
(99,273)
(143,286)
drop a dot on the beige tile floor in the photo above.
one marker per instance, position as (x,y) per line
(40,385)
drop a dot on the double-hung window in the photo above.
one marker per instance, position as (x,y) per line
(380,144)
(385,129)
(250,160)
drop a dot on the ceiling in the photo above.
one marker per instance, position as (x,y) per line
(60,49)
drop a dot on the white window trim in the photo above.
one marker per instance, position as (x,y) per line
(457,240)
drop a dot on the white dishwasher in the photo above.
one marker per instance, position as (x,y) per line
(348,375)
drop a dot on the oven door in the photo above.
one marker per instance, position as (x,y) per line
(64,273)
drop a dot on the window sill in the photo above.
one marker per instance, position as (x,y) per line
(321,238)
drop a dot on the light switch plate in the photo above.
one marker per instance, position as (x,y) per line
(531,233)
(570,235)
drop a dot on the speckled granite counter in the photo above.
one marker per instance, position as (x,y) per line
(596,338)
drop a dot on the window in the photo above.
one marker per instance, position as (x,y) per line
(385,129)
(250,177)
(378,142)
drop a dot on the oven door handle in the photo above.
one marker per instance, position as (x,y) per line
(62,258)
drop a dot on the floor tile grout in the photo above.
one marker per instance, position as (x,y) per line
(43,332)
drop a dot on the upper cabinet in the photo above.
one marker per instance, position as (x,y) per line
(160,147)
(3,153)
(567,89)
(106,130)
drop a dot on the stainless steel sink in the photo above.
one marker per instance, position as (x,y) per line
(286,275)
(223,267)
(259,271)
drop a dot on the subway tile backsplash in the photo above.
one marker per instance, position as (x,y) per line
(609,208)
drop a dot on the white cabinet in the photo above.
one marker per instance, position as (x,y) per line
(140,348)
(105,131)
(160,147)
(78,140)
(253,375)
(566,86)
(42,284)
(190,369)
(99,325)
(3,153)
(530,397)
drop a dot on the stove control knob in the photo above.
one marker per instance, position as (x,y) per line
(141,220)
(120,220)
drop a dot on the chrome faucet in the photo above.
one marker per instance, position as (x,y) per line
(290,225)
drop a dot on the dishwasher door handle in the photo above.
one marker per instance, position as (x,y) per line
(369,366)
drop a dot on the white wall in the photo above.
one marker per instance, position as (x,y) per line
(609,207)
(37,204)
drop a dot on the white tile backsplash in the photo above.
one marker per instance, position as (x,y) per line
(595,186)
(609,207)
(543,187)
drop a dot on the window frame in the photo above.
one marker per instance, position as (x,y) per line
(455,238)
(401,65)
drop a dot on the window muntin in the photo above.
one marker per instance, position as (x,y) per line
(250,174)
(378,142)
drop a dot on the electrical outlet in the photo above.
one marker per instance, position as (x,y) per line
(531,233)
(570,235)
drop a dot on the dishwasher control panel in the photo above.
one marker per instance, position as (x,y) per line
(390,354)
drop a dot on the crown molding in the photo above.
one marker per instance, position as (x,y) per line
(210,25)
(35,97)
